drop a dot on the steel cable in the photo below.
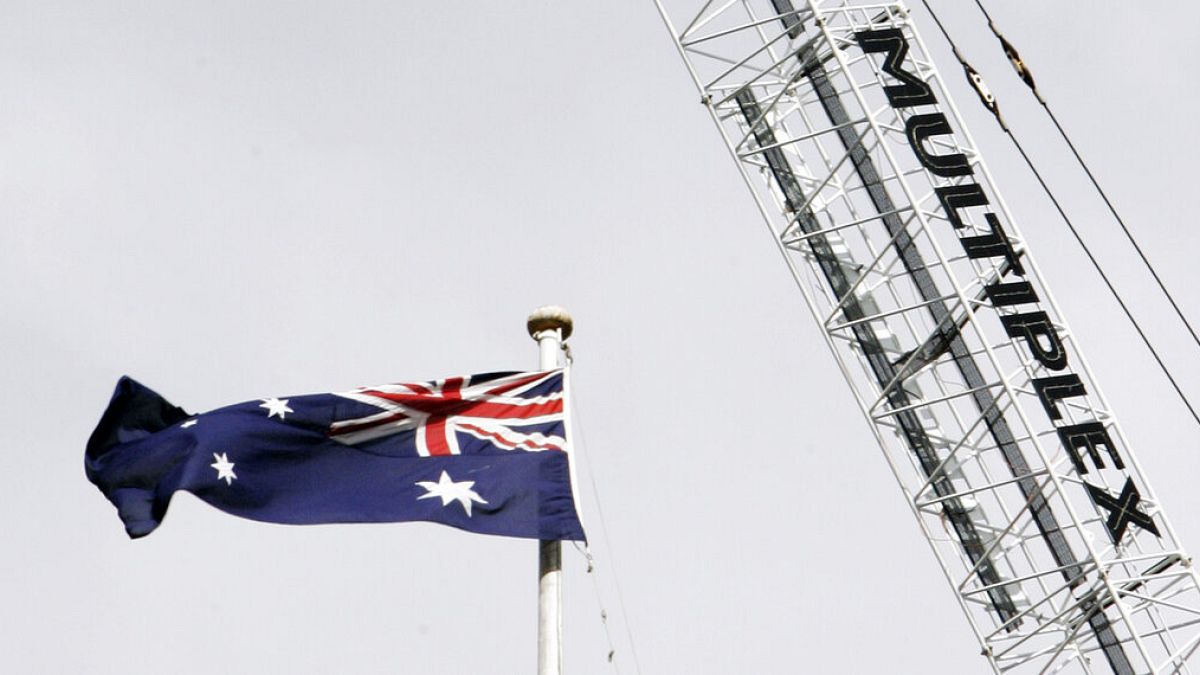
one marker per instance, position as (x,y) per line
(1026,76)
(1062,213)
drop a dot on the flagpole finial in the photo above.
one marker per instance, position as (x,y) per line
(550,317)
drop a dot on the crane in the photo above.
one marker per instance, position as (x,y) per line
(1048,531)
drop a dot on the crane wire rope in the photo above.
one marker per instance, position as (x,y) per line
(990,103)
(586,550)
(1027,77)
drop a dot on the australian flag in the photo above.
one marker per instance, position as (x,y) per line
(484,453)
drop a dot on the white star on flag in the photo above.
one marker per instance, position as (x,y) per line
(450,491)
(188,424)
(275,407)
(224,468)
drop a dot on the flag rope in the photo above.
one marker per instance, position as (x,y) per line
(586,552)
(581,449)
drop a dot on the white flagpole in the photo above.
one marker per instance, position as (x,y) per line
(549,326)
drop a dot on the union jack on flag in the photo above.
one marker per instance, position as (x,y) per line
(515,411)
(484,453)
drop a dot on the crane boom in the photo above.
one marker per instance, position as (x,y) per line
(1057,548)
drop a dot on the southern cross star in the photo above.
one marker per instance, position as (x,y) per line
(275,407)
(450,491)
(224,468)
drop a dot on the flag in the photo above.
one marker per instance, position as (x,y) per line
(485,453)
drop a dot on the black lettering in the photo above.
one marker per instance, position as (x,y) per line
(994,245)
(1053,389)
(955,197)
(913,90)
(1006,295)
(1090,436)
(918,129)
(1039,334)
(1122,510)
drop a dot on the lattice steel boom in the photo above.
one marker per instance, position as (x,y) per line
(1047,529)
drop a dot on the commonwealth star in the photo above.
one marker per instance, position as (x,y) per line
(275,407)
(450,491)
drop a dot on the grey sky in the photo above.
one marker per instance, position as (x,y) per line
(235,200)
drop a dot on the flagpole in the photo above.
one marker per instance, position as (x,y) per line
(549,326)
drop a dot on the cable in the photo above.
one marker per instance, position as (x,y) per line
(1070,226)
(1024,73)
(586,552)
(579,437)
(1116,296)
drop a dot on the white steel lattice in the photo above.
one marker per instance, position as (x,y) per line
(1045,525)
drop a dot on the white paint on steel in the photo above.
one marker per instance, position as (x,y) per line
(549,326)
(731,46)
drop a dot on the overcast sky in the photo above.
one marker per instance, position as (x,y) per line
(230,200)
